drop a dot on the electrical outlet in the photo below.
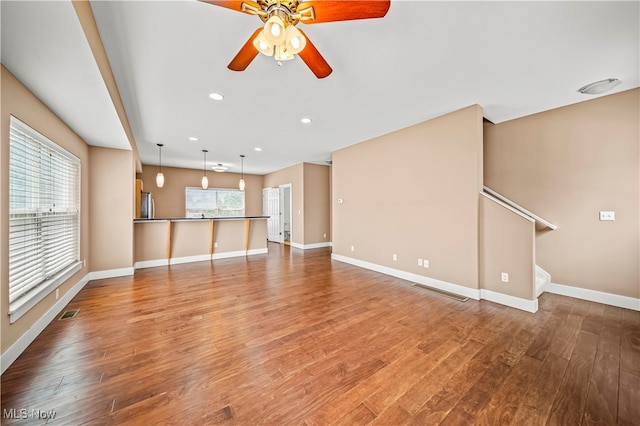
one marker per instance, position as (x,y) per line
(84,262)
(353,248)
(215,245)
(425,263)
(608,216)
(504,277)
(57,293)
(419,262)
(395,257)
(325,235)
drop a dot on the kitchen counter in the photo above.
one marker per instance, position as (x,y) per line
(168,241)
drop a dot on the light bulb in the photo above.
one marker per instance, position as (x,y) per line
(159,180)
(274,30)
(261,43)
(205,182)
(295,41)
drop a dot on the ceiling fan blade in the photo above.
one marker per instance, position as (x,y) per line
(235,5)
(340,10)
(314,60)
(246,54)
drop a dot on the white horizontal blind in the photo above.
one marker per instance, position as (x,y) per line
(44,209)
(213,202)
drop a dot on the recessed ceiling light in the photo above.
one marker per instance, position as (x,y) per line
(216,96)
(306,120)
(192,139)
(599,86)
(257,148)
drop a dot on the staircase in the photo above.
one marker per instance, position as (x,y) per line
(543,279)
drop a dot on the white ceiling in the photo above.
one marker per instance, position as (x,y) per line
(422,60)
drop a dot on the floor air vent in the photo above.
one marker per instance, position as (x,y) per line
(69,314)
(443,293)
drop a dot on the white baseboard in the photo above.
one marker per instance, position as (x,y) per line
(199,258)
(13,352)
(471,293)
(512,301)
(595,296)
(111,273)
(240,253)
(151,263)
(189,259)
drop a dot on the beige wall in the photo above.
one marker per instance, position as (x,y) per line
(413,192)
(566,165)
(111,173)
(317,204)
(293,175)
(310,201)
(170,201)
(507,244)
(17,100)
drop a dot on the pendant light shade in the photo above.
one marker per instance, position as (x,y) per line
(160,176)
(241,185)
(205,180)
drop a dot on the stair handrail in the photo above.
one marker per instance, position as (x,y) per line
(518,207)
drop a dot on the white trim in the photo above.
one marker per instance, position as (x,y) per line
(508,207)
(21,306)
(519,207)
(476,294)
(316,245)
(240,253)
(14,351)
(189,259)
(151,263)
(471,293)
(512,301)
(595,296)
(198,258)
(311,246)
(111,273)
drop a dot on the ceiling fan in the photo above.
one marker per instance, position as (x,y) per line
(280,38)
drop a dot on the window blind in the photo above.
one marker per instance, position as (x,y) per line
(44,210)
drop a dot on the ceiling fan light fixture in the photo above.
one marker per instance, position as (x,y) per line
(283,54)
(599,86)
(295,41)
(274,30)
(262,44)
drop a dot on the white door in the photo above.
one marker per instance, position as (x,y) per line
(273,211)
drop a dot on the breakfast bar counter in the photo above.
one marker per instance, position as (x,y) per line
(168,241)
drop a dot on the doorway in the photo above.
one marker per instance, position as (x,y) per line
(276,203)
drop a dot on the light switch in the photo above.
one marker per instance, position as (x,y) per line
(607,215)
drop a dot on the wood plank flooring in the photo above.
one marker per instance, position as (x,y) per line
(293,338)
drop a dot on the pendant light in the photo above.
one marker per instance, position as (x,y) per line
(160,176)
(241,184)
(205,180)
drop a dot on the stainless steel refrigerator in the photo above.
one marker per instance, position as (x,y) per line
(146,206)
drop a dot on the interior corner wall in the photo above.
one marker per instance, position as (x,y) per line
(567,165)
(111,206)
(317,202)
(293,175)
(413,193)
(17,100)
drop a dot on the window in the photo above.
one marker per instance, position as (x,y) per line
(214,202)
(44,217)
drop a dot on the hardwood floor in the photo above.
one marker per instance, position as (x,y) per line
(293,338)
